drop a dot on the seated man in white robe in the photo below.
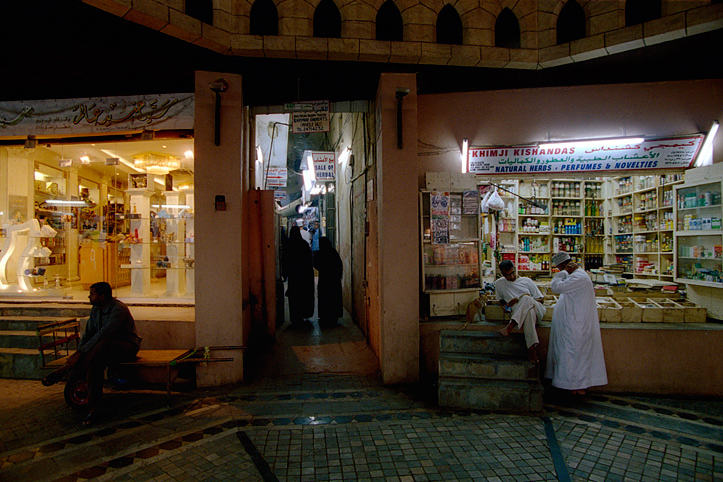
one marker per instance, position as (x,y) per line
(524,299)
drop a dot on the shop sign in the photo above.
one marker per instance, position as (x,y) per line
(276,177)
(309,117)
(281,196)
(587,156)
(96,115)
(324,165)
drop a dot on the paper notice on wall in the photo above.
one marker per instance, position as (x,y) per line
(470,202)
(439,217)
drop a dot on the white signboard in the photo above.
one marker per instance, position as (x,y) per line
(587,156)
(96,115)
(281,196)
(314,117)
(276,177)
(324,165)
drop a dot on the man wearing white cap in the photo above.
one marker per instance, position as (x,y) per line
(523,298)
(575,359)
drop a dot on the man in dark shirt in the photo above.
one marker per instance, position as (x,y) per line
(110,337)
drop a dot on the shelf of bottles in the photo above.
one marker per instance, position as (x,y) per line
(451,266)
(698,236)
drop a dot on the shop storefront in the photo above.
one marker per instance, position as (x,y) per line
(98,190)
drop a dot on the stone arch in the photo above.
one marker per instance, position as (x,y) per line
(388,22)
(264,18)
(571,22)
(507,30)
(641,11)
(449,26)
(200,10)
(327,20)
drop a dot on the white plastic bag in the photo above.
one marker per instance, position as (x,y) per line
(483,205)
(495,202)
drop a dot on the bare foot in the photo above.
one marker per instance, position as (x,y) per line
(506,330)
(532,354)
(579,392)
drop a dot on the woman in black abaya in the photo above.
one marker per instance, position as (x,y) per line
(300,275)
(329,265)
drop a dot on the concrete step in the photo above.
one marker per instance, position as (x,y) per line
(25,339)
(491,342)
(29,323)
(484,366)
(21,363)
(498,395)
(45,309)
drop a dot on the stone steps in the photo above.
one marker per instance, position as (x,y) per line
(485,371)
(19,356)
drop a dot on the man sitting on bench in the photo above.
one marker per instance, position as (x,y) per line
(110,337)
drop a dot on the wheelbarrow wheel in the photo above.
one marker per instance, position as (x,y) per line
(76,394)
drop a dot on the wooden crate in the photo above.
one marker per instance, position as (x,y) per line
(672,311)
(608,310)
(651,311)
(693,313)
(630,311)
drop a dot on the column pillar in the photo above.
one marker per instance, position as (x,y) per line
(219,235)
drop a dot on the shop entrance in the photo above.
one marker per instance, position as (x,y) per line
(319,180)
(78,211)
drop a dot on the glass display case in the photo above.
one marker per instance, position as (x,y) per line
(450,250)
(698,235)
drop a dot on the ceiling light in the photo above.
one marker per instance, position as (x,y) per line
(85,160)
(188,154)
(464,154)
(155,163)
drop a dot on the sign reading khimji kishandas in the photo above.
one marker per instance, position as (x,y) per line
(587,156)
(96,115)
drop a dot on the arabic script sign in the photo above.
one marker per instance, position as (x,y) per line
(324,165)
(587,156)
(96,115)
(310,117)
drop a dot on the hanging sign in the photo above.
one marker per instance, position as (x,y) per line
(439,216)
(309,116)
(95,115)
(587,156)
(276,177)
(281,196)
(324,165)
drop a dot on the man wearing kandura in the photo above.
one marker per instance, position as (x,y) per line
(575,358)
(522,296)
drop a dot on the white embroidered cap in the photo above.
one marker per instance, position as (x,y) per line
(559,258)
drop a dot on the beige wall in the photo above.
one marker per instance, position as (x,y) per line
(398,232)
(652,359)
(512,117)
(219,234)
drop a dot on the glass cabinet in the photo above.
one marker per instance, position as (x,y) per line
(450,249)
(698,235)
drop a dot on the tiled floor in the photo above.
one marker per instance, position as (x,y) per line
(338,423)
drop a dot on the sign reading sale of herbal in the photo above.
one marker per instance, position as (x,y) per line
(324,165)
(439,216)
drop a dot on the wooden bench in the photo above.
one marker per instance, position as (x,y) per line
(66,332)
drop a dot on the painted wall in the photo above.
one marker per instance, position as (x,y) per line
(219,234)
(398,232)
(563,113)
